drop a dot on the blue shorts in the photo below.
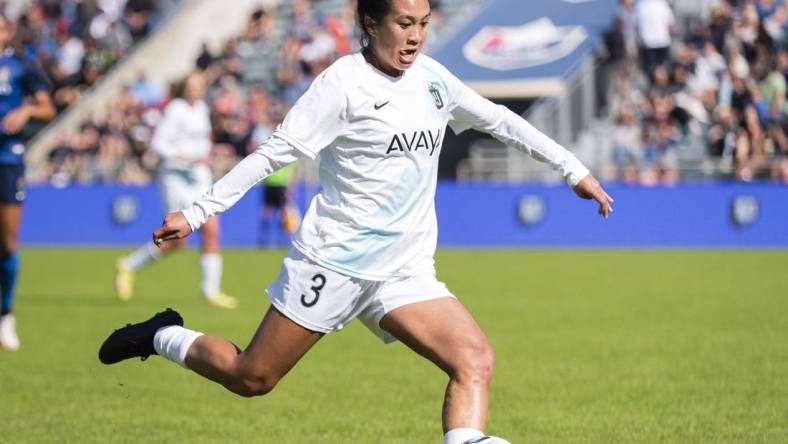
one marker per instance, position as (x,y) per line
(12,183)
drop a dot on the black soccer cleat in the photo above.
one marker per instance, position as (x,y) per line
(136,339)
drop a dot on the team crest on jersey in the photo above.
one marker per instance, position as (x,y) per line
(5,81)
(435,91)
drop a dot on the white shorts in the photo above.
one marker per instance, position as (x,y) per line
(323,300)
(181,187)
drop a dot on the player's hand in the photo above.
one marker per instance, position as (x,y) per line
(589,188)
(174,226)
(14,121)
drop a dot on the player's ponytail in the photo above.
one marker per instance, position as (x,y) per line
(375,10)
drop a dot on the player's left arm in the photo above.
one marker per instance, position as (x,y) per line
(470,110)
(589,188)
(39,107)
(37,103)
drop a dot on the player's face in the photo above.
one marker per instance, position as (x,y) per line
(195,88)
(6,32)
(398,39)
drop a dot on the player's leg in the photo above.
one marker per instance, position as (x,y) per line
(211,266)
(10,216)
(149,253)
(317,300)
(444,332)
(175,194)
(12,194)
(300,291)
(275,348)
(127,266)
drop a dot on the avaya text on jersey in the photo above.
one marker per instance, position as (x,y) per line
(418,139)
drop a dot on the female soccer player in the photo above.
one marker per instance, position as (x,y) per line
(365,247)
(183,140)
(24,95)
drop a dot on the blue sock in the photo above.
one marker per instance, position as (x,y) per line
(9,266)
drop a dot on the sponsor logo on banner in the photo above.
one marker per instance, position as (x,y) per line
(125,209)
(744,210)
(531,209)
(535,43)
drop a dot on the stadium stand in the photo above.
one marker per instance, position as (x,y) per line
(649,126)
(76,42)
(254,78)
(712,106)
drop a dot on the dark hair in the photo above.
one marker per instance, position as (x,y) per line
(178,88)
(374,9)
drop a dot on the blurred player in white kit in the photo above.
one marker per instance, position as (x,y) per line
(183,141)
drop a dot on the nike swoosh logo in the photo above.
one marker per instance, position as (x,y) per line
(377,107)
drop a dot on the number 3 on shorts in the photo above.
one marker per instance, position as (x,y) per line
(320,282)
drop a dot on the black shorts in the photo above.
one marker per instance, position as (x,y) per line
(274,196)
(12,183)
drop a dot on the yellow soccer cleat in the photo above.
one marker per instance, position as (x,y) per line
(124,281)
(221,300)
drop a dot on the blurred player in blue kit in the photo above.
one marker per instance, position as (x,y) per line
(24,95)
(365,247)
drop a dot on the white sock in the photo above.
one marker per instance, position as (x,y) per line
(459,436)
(211,266)
(142,256)
(173,342)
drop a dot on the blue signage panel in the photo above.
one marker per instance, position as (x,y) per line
(694,216)
(483,215)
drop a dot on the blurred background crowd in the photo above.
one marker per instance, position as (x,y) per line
(246,105)
(710,90)
(76,42)
(714,92)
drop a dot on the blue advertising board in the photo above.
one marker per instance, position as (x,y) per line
(469,215)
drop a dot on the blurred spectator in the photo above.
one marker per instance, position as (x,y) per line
(654,24)
(717,92)
(660,164)
(626,20)
(205,59)
(146,91)
(627,147)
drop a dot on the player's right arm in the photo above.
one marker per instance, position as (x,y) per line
(313,123)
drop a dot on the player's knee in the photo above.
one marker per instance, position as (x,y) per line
(256,385)
(475,362)
(179,243)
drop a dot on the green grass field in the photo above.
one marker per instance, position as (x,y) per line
(592,347)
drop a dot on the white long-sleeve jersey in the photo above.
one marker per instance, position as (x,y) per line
(184,133)
(379,139)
